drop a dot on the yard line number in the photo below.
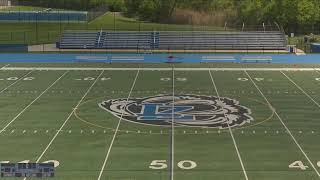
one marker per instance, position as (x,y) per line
(55,162)
(257,79)
(299,165)
(93,79)
(177,79)
(263,79)
(17,78)
(162,164)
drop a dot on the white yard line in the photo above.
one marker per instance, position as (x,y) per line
(230,131)
(5,66)
(117,129)
(15,82)
(300,88)
(152,69)
(284,125)
(43,92)
(172,127)
(71,113)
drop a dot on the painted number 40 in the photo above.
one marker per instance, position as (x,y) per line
(162,164)
(300,165)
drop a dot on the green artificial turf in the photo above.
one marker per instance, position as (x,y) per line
(31,119)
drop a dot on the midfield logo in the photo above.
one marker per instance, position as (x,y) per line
(187,110)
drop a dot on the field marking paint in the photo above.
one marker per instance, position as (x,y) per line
(5,66)
(64,123)
(230,131)
(117,128)
(43,92)
(15,82)
(302,90)
(284,125)
(152,69)
(172,128)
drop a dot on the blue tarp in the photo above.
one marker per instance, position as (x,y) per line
(315,47)
(43,16)
(13,48)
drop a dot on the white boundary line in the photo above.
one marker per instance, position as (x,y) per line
(230,130)
(117,129)
(64,123)
(284,125)
(152,69)
(15,82)
(43,92)
(300,88)
(172,127)
(58,131)
(5,66)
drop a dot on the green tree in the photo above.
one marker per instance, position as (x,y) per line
(116,5)
(148,10)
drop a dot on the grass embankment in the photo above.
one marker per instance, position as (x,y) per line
(38,33)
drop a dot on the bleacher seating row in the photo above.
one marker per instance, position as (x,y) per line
(269,40)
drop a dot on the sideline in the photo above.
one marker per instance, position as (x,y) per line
(151,69)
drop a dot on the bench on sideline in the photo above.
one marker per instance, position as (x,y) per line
(256,59)
(126,59)
(208,59)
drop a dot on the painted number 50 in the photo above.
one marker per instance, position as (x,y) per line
(162,164)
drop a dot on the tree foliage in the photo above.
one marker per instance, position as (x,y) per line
(291,14)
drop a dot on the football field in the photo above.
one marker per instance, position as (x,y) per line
(112,122)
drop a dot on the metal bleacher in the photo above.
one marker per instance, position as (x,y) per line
(79,40)
(222,40)
(127,40)
(174,40)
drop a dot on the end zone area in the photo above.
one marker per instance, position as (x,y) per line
(179,122)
